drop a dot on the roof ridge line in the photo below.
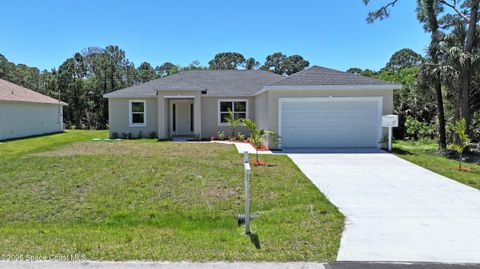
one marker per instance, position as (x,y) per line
(193,84)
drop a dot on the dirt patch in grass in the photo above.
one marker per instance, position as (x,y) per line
(463,169)
(131,148)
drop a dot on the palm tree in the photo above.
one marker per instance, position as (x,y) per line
(256,136)
(463,139)
(233,122)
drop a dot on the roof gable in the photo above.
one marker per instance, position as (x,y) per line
(13,92)
(321,76)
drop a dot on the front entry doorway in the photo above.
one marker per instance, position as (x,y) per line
(181,117)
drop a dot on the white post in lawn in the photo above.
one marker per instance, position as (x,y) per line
(246,164)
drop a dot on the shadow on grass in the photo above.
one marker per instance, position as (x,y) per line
(30,136)
(401,151)
(255,241)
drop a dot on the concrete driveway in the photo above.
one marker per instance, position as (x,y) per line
(396,211)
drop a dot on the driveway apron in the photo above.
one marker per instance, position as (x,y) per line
(395,210)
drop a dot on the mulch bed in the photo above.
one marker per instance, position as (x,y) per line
(463,169)
(262,148)
(259,163)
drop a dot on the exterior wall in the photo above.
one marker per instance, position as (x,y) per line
(273,97)
(119,118)
(261,111)
(20,119)
(262,108)
(210,112)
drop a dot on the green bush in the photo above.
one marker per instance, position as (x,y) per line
(274,141)
(240,136)
(463,139)
(221,135)
(416,129)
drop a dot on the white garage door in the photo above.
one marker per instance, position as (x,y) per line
(330,122)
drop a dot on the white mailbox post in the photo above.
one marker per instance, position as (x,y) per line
(390,121)
(246,164)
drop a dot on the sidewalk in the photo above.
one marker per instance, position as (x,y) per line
(224,265)
(154,265)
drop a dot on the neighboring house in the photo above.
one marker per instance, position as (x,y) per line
(24,112)
(317,107)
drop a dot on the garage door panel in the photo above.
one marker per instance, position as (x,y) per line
(330,122)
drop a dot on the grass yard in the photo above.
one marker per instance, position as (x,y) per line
(16,148)
(65,195)
(424,155)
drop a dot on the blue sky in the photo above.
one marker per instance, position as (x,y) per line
(327,33)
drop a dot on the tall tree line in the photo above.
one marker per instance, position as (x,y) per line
(83,79)
(451,67)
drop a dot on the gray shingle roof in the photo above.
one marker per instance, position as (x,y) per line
(245,82)
(215,82)
(320,76)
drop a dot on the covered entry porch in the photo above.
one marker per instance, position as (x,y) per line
(179,115)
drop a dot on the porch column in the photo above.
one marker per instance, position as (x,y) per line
(162,118)
(197,117)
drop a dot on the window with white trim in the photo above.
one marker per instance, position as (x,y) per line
(137,114)
(238,107)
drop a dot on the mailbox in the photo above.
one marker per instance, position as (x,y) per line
(390,121)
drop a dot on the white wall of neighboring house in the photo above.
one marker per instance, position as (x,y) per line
(20,119)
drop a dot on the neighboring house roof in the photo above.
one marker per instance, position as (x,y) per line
(321,76)
(13,92)
(251,82)
(214,82)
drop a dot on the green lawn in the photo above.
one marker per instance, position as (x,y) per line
(16,148)
(147,200)
(424,155)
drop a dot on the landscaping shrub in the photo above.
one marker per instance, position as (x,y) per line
(152,135)
(221,135)
(463,140)
(419,130)
(114,135)
(240,136)
(274,140)
(140,135)
(124,135)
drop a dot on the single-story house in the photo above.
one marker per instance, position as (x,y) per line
(24,112)
(317,107)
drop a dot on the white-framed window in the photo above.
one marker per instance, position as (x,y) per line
(239,107)
(137,113)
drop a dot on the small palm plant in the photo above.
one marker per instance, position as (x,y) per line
(233,122)
(463,140)
(256,136)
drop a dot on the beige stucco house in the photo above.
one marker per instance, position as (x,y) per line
(24,112)
(314,108)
